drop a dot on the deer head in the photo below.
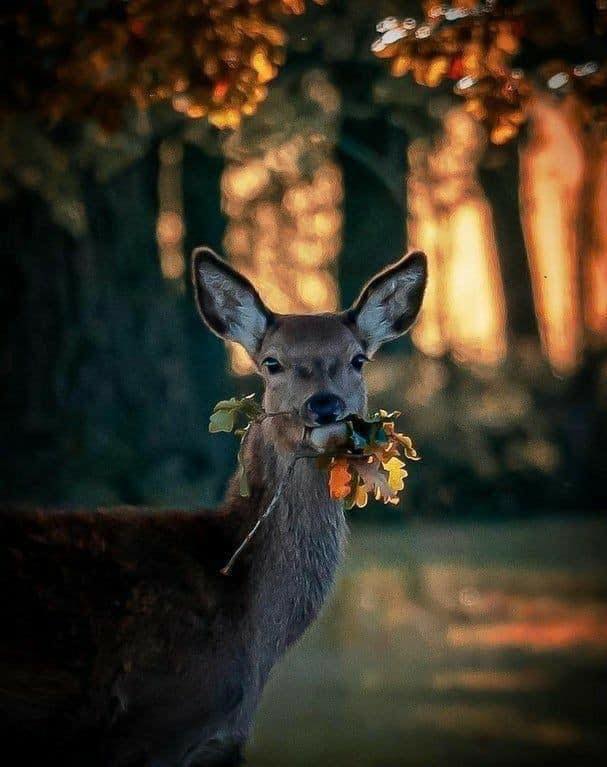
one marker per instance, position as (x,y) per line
(311,364)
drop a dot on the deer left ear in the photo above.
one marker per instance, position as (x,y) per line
(390,302)
(227,301)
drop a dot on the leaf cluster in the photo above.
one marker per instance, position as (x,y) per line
(226,416)
(370,462)
(228,412)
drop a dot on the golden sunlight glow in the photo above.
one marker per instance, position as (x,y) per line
(423,231)
(451,220)
(552,175)
(169,225)
(595,272)
(473,287)
(284,229)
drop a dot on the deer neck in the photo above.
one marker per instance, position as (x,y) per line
(296,550)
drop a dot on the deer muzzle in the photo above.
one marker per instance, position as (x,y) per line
(324,408)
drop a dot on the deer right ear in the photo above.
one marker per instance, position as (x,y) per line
(390,302)
(227,302)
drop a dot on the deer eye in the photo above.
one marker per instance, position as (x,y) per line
(358,361)
(272,365)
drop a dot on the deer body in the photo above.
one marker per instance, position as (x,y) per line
(162,667)
(123,644)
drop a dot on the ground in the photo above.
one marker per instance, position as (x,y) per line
(451,645)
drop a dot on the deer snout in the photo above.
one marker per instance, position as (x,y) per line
(324,408)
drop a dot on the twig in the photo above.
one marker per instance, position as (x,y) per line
(355,451)
(226,570)
(279,490)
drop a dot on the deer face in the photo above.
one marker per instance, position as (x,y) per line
(311,364)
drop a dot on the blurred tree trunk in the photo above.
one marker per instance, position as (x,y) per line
(109,374)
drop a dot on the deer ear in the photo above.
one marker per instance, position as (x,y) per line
(390,302)
(227,302)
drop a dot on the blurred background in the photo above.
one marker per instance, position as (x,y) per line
(312,143)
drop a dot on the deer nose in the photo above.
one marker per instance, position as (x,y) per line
(325,408)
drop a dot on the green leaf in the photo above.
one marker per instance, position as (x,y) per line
(243,483)
(357,441)
(226,411)
(380,437)
(250,408)
(221,420)
(227,404)
(243,486)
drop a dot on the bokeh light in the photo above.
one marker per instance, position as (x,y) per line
(170,224)
(451,220)
(283,199)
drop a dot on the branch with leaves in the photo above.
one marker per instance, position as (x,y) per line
(368,462)
(371,461)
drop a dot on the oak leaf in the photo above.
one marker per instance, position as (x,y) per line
(221,420)
(339,479)
(359,497)
(396,474)
(370,471)
(226,412)
(369,464)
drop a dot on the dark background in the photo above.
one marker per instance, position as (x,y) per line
(108,377)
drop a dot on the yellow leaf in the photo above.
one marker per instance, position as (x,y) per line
(407,444)
(339,479)
(403,439)
(396,474)
(412,454)
(361,497)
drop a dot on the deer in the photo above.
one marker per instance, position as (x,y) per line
(123,643)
